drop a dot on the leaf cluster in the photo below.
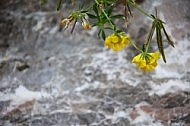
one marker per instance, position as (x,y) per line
(103,15)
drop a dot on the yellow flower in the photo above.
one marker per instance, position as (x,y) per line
(146,61)
(86,25)
(117,42)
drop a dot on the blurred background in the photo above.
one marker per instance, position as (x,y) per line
(49,77)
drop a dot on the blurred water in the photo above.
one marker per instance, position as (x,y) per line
(54,78)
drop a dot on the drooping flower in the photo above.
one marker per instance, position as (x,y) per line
(146,61)
(86,24)
(67,21)
(117,41)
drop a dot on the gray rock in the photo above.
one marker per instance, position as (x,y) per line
(87,118)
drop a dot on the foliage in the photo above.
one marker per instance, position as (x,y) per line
(102,12)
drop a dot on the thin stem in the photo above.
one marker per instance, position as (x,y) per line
(131,14)
(89,7)
(135,45)
(106,15)
(138,8)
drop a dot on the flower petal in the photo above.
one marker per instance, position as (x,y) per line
(146,61)
(116,42)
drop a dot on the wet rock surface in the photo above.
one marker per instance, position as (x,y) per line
(51,78)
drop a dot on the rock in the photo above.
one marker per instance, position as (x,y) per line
(77,81)
(87,118)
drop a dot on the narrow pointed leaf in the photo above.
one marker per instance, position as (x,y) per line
(117,16)
(99,32)
(103,35)
(113,24)
(84,11)
(110,10)
(91,16)
(109,28)
(119,31)
(150,34)
(159,42)
(95,8)
(81,6)
(153,16)
(168,38)
(144,47)
(59,4)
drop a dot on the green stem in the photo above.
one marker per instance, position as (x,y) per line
(138,8)
(89,7)
(135,45)
(106,15)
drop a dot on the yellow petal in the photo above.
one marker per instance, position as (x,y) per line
(115,42)
(155,55)
(136,58)
(115,39)
(125,40)
(107,41)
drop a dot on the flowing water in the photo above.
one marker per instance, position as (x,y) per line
(51,78)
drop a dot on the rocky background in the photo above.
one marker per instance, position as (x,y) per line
(51,78)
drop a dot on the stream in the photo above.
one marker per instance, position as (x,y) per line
(49,77)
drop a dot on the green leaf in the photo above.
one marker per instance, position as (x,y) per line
(119,31)
(114,28)
(144,47)
(113,23)
(104,20)
(99,32)
(91,16)
(96,24)
(117,16)
(59,4)
(150,34)
(153,16)
(110,10)
(95,8)
(103,35)
(159,42)
(168,38)
(109,28)
(84,11)
(81,6)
